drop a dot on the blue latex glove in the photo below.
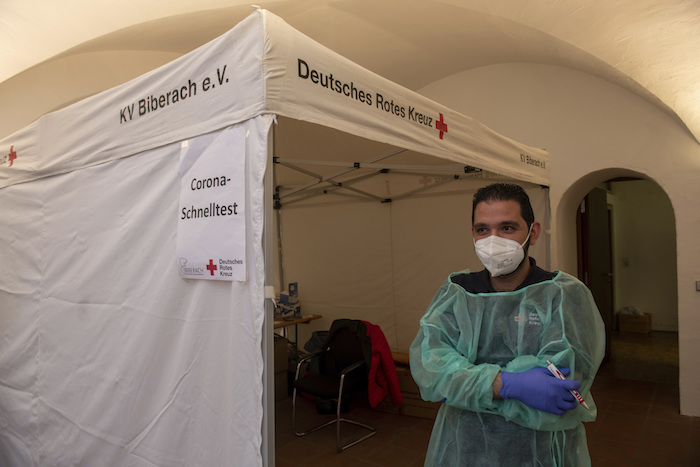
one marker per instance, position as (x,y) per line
(539,389)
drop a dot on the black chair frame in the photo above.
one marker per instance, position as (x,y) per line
(357,366)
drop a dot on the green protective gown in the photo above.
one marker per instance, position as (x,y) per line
(465,339)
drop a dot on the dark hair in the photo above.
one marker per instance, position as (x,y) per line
(505,192)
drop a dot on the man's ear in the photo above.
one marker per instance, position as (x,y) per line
(535,232)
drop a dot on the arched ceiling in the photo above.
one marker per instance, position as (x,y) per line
(648,47)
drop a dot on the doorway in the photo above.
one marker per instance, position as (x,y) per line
(627,257)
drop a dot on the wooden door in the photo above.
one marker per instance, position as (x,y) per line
(596,255)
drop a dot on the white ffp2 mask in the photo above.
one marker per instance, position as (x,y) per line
(500,255)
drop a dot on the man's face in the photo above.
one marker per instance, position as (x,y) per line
(500,218)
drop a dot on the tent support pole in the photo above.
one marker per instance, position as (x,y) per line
(329,178)
(323,191)
(425,188)
(547,228)
(268,421)
(350,166)
(321,179)
(346,184)
(292,191)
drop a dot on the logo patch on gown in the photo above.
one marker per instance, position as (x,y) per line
(532,319)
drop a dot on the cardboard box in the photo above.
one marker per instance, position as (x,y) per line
(634,323)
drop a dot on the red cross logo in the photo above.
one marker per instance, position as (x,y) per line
(12,155)
(441,125)
(212,267)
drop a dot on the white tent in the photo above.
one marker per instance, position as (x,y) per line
(109,355)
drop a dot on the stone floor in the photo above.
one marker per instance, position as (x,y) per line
(638,418)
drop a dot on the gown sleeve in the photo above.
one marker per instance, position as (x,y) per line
(441,371)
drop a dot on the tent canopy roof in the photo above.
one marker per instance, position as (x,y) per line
(260,66)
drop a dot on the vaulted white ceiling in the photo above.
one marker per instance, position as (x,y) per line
(649,47)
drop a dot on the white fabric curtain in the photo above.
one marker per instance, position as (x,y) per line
(108,356)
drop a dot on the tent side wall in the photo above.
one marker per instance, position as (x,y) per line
(113,357)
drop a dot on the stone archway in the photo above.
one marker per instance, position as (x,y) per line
(644,259)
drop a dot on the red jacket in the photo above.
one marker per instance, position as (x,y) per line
(383,380)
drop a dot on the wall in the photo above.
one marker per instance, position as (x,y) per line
(644,239)
(595,131)
(58,83)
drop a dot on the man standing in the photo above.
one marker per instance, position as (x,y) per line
(483,347)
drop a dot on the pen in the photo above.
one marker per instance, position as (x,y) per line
(555,371)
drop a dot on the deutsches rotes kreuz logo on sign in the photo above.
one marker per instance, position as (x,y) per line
(211,218)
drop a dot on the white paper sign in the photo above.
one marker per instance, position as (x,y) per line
(211,229)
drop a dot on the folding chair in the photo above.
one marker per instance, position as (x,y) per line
(343,367)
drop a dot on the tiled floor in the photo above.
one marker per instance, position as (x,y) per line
(638,418)
(638,406)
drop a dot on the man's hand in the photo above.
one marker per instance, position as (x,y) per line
(539,389)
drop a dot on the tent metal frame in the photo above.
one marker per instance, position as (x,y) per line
(331,183)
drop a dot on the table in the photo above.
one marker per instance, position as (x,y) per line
(284,324)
